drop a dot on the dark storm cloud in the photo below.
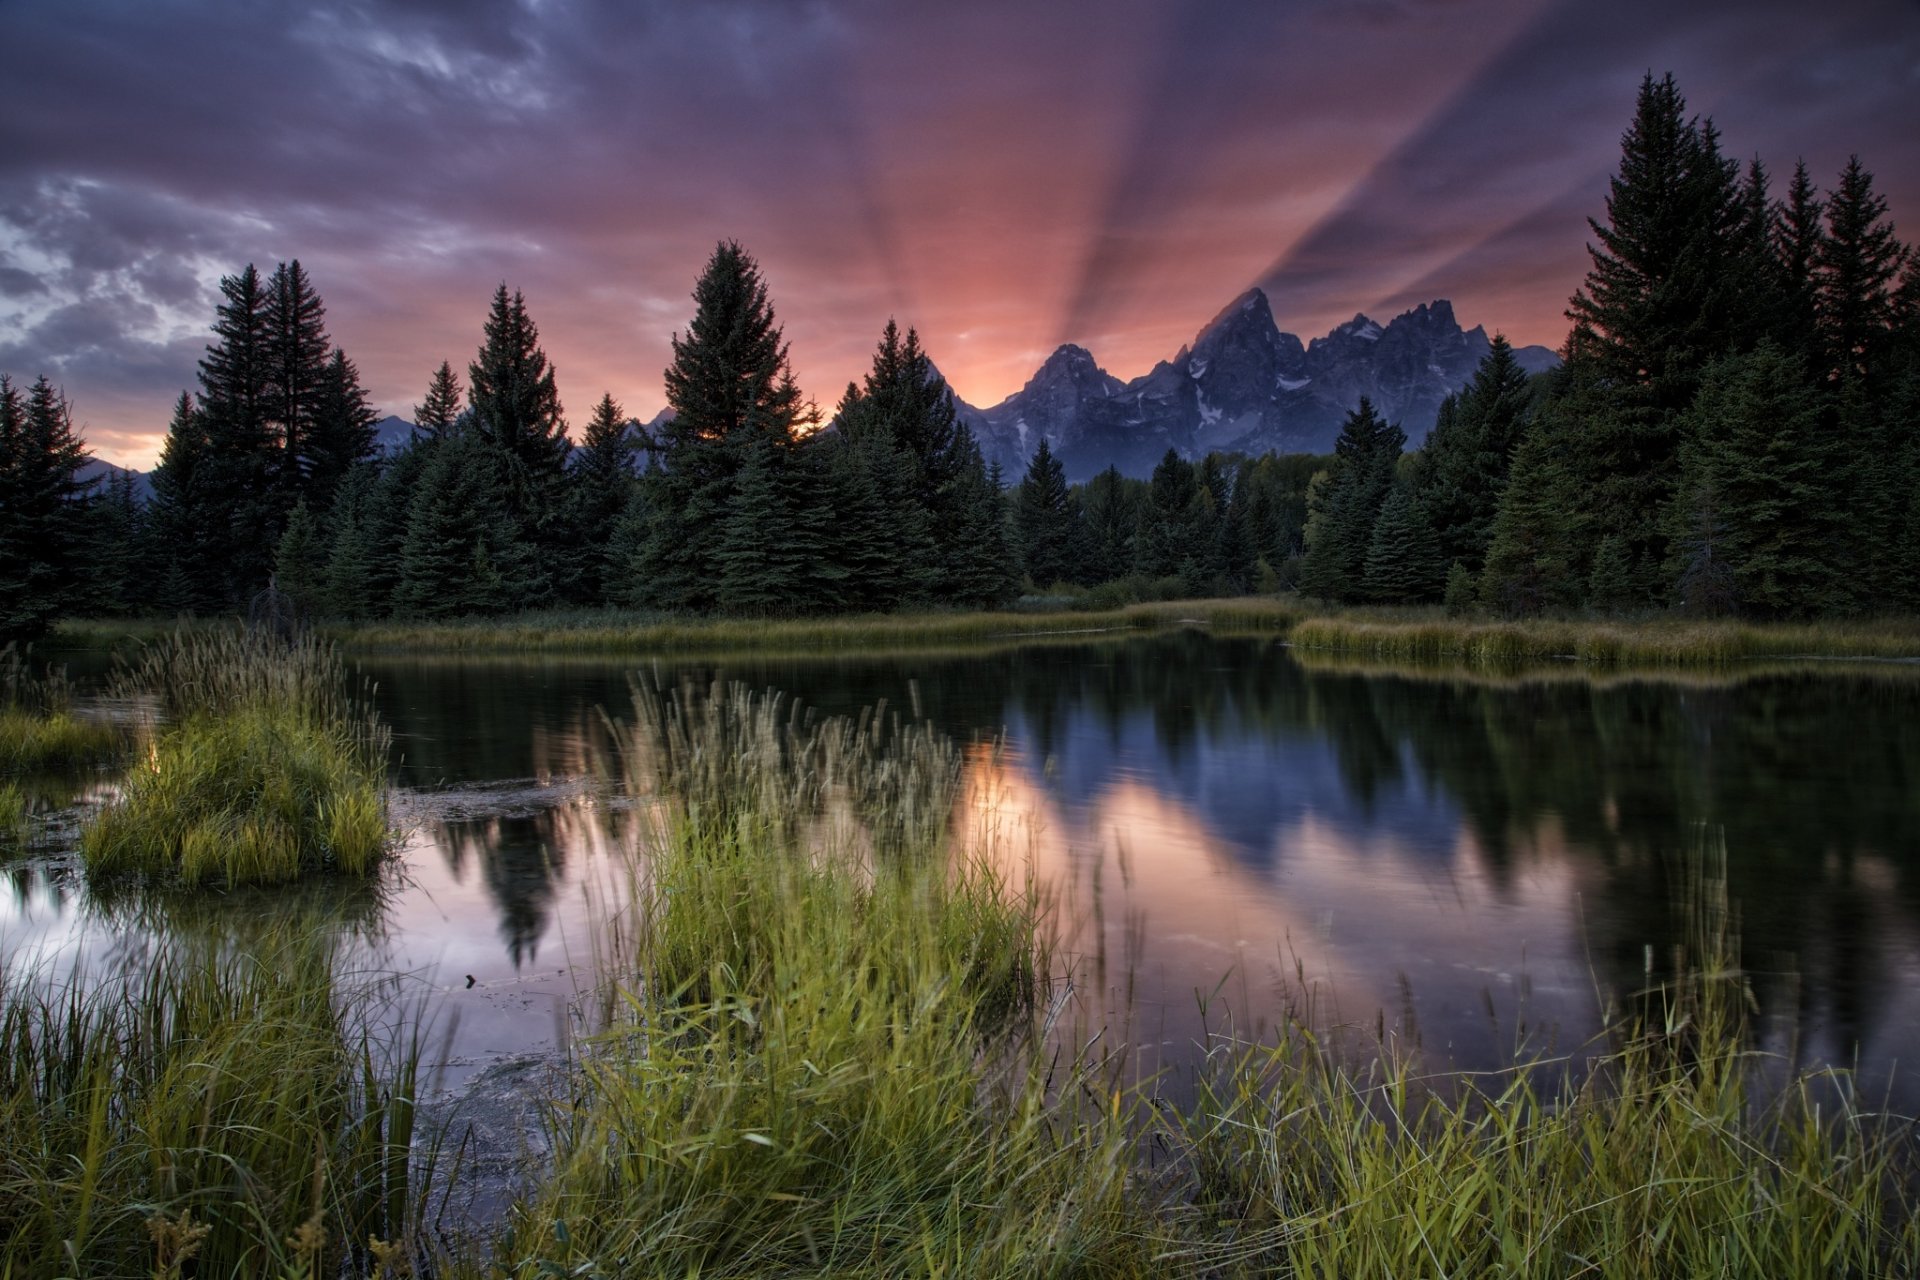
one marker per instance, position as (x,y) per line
(1001,174)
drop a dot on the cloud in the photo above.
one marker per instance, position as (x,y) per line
(1000,174)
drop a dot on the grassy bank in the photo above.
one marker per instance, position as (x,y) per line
(264,771)
(217,1112)
(1649,643)
(1402,635)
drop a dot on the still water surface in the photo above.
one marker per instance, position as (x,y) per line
(1234,837)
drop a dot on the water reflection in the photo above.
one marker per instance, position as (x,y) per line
(1467,865)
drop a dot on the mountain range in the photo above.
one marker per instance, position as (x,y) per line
(1243,386)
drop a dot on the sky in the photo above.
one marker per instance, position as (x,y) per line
(1003,175)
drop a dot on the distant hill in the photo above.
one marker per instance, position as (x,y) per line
(1242,385)
(107,472)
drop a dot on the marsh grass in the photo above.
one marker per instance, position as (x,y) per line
(266,771)
(1420,636)
(39,733)
(809,1065)
(815,1056)
(212,1112)
(622,633)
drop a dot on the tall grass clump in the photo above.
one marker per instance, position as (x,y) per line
(817,1059)
(264,770)
(38,730)
(212,1113)
(1667,1154)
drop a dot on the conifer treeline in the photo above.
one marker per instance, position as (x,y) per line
(1733,429)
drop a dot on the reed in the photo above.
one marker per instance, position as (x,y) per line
(267,772)
(38,731)
(1651,643)
(815,1058)
(213,1112)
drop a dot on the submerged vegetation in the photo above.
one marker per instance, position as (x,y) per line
(265,770)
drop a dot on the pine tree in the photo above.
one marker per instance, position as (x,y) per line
(1044,520)
(352,572)
(296,347)
(1402,563)
(601,484)
(1344,510)
(43,509)
(185,521)
(989,575)
(1610,582)
(1112,513)
(1760,471)
(299,561)
(340,432)
(1858,272)
(516,402)
(118,582)
(244,465)
(1798,244)
(761,570)
(436,414)
(729,387)
(464,552)
(1469,453)
(1531,556)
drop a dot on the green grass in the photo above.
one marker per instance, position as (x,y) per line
(821,1060)
(268,771)
(1424,636)
(38,731)
(13,812)
(219,1112)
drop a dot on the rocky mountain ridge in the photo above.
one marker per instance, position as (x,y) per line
(1242,385)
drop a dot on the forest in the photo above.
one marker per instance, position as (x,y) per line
(1731,432)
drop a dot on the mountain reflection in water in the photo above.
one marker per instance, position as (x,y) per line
(1466,865)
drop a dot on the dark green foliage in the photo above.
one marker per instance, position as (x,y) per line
(299,562)
(1610,582)
(355,574)
(1858,271)
(119,580)
(1530,557)
(341,431)
(1403,565)
(184,515)
(243,468)
(43,509)
(1112,507)
(296,367)
(1758,493)
(601,487)
(1468,455)
(1343,510)
(988,575)
(1798,244)
(434,415)
(1461,592)
(1046,523)
(464,552)
(516,403)
(766,558)
(729,386)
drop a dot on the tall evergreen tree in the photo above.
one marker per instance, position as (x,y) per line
(1344,510)
(43,509)
(1532,554)
(1798,245)
(187,523)
(989,575)
(516,402)
(1760,471)
(1469,453)
(296,363)
(340,432)
(1109,504)
(729,386)
(300,561)
(244,467)
(1045,521)
(464,552)
(1403,563)
(602,483)
(1858,273)
(435,415)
